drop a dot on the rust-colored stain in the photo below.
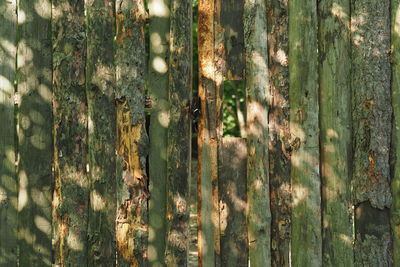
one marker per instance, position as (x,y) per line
(374,176)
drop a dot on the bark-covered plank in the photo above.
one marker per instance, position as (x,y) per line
(304,140)
(279,135)
(233,201)
(179,151)
(71,192)
(208,211)
(34,62)
(100,74)
(231,11)
(395,184)
(157,86)
(372,116)
(257,97)
(335,130)
(8,183)
(132,140)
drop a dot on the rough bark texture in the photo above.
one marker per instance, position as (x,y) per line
(335,127)
(71,192)
(372,115)
(34,134)
(100,73)
(132,140)
(208,211)
(233,202)
(305,176)
(279,135)
(179,134)
(395,208)
(257,97)
(8,184)
(231,11)
(159,12)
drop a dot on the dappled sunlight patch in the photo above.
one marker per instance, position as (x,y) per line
(299,194)
(23,192)
(331,133)
(158,8)
(73,240)
(25,53)
(159,65)
(224,214)
(156,43)
(338,11)
(346,240)
(43,225)
(6,86)
(43,8)
(97,202)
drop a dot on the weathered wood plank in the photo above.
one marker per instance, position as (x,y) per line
(257,97)
(100,87)
(159,28)
(372,116)
(179,151)
(279,154)
(395,185)
(233,199)
(208,211)
(34,133)
(233,34)
(132,140)
(8,183)
(304,128)
(71,192)
(335,131)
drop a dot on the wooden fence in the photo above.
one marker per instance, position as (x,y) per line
(96,133)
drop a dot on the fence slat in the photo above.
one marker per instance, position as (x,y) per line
(179,134)
(231,11)
(335,131)
(8,184)
(157,83)
(34,133)
(71,192)
(279,154)
(372,116)
(257,86)
(132,140)
(233,201)
(100,73)
(395,209)
(208,212)
(304,127)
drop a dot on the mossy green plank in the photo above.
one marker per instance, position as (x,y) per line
(257,96)
(304,128)
(157,84)
(8,183)
(335,126)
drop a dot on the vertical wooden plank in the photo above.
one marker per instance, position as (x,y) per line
(34,133)
(279,136)
(395,185)
(100,78)
(372,116)
(71,192)
(233,34)
(304,127)
(233,201)
(257,97)
(335,130)
(8,183)
(208,212)
(132,140)
(159,28)
(179,151)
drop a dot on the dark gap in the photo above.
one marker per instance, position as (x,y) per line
(234,105)
(195,105)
